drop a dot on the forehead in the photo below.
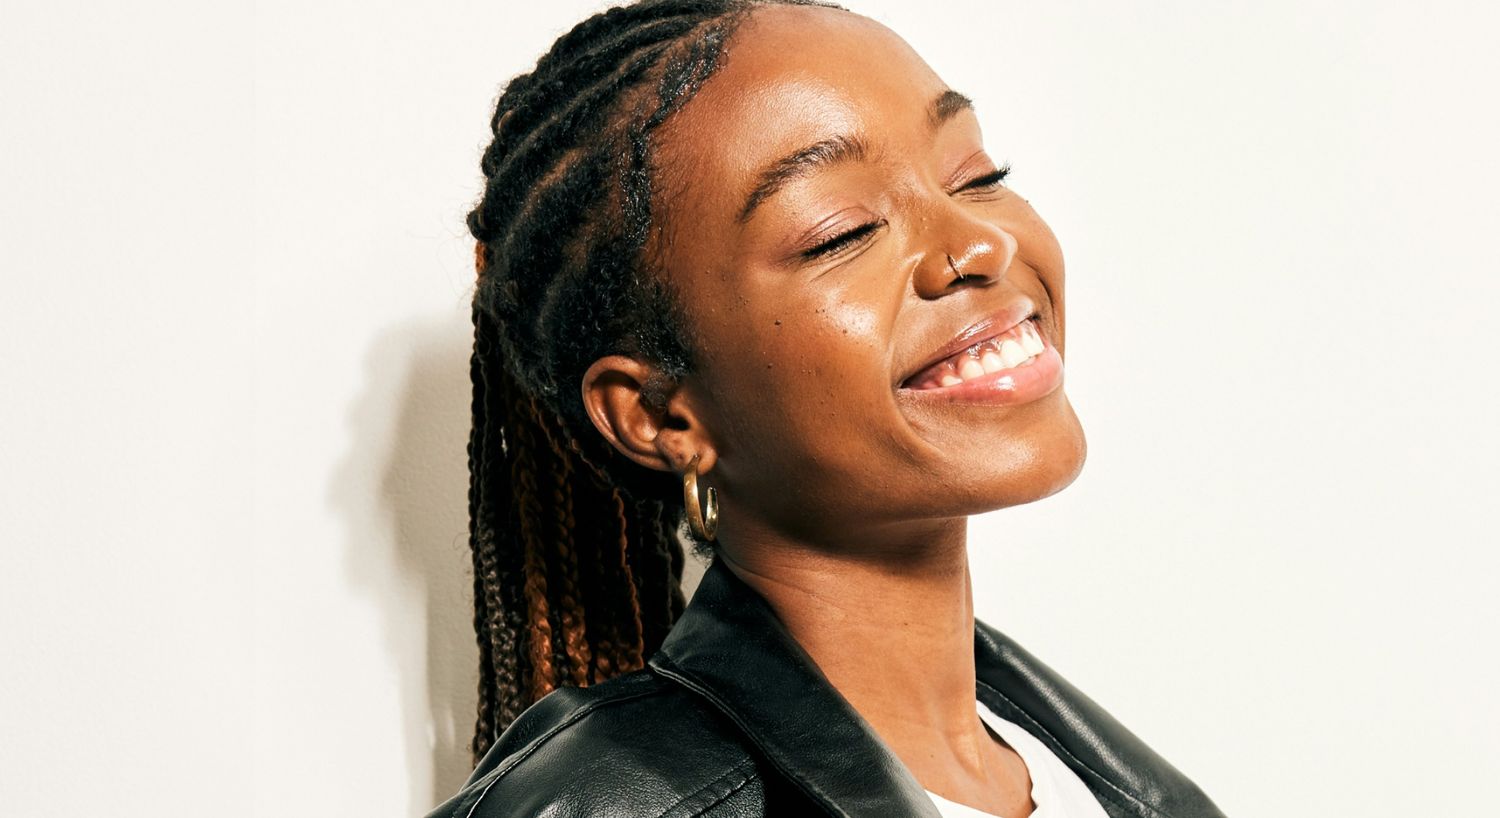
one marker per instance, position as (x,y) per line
(792,75)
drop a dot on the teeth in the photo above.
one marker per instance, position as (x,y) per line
(1017,349)
(1030,340)
(1012,353)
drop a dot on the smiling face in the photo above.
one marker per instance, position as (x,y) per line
(834,228)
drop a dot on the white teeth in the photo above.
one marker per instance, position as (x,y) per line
(1030,340)
(1023,344)
(1012,353)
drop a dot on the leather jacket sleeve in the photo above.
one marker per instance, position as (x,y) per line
(635,746)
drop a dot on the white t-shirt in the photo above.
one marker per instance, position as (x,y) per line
(1056,790)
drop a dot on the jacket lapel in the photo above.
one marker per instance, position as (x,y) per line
(730,647)
(1127,777)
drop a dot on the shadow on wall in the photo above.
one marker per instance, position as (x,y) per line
(402,490)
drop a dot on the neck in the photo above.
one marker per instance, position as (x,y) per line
(893,634)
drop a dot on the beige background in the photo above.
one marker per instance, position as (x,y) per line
(234,403)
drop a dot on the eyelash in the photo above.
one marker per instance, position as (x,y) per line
(839,242)
(990,179)
(842,240)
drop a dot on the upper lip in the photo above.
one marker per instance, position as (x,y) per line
(997,323)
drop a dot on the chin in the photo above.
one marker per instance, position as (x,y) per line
(1047,460)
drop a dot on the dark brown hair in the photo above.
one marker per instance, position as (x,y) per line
(577,561)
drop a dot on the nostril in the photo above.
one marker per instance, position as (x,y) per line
(952,265)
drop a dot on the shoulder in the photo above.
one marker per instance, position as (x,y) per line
(636,745)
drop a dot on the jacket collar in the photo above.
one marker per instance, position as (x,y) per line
(731,648)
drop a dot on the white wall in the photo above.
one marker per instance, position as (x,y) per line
(234,403)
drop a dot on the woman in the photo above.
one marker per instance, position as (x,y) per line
(748,263)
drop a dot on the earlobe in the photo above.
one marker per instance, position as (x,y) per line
(616,397)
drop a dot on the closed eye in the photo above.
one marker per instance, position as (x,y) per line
(842,240)
(989,181)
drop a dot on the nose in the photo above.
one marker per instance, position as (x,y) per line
(961,249)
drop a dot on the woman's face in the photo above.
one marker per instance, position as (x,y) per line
(829,191)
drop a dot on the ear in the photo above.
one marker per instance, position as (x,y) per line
(661,433)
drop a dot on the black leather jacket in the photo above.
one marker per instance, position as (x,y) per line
(732,718)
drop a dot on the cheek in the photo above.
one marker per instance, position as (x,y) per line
(1042,252)
(802,373)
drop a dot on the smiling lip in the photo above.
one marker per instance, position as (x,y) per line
(1037,378)
(978,332)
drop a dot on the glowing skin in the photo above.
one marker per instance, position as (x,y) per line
(844,493)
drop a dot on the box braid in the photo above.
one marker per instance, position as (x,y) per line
(577,561)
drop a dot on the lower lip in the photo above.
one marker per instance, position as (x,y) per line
(1021,384)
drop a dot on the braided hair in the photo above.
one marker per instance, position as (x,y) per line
(577,561)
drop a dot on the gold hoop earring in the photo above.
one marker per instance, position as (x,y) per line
(703,525)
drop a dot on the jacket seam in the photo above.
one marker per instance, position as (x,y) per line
(536,743)
(1130,798)
(726,796)
(747,763)
(672,671)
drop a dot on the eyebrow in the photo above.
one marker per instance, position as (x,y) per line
(836,149)
(947,105)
